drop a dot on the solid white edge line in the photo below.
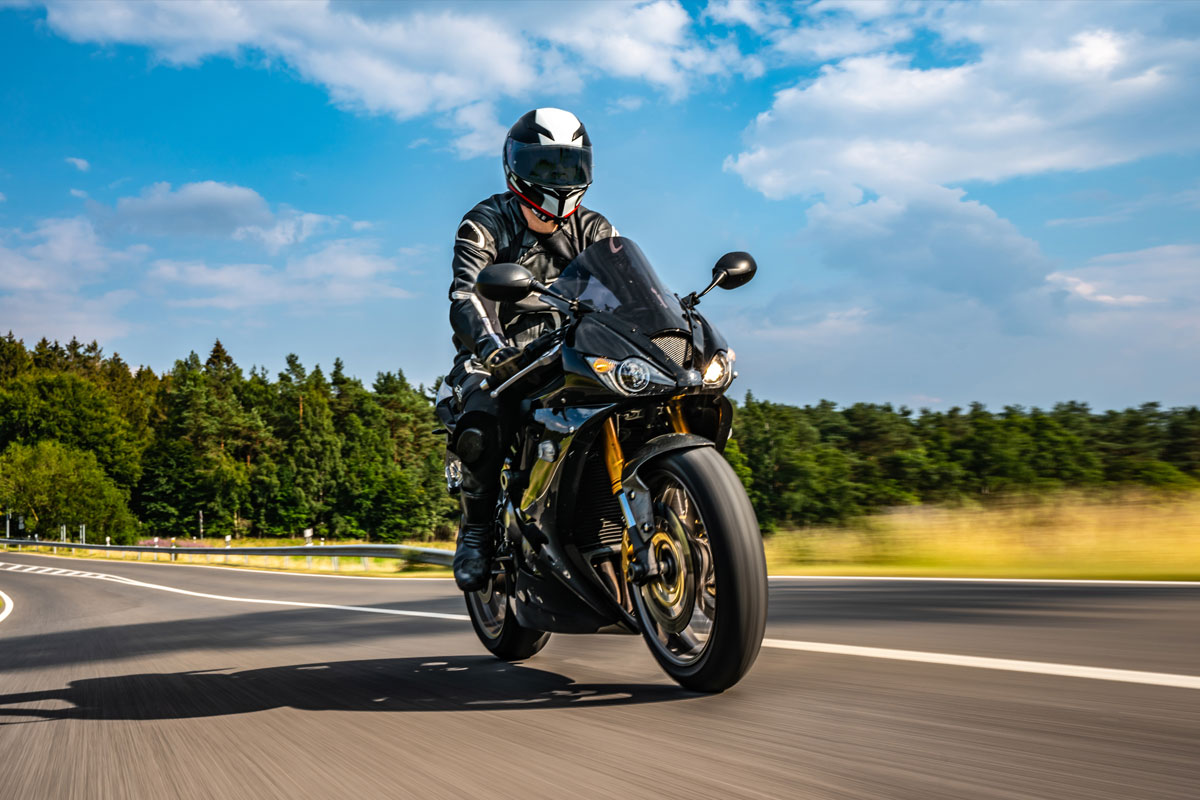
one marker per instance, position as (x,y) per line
(8,606)
(1005,664)
(294,603)
(948,659)
(1083,581)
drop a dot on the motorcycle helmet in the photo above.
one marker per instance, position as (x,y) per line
(548,162)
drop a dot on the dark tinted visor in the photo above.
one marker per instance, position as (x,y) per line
(551,164)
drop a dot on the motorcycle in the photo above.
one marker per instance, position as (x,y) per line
(617,511)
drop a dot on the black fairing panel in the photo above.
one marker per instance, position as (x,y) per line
(706,339)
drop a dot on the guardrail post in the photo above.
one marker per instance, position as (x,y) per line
(335,563)
(364,564)
(227,538)
(173,553)
(107,542)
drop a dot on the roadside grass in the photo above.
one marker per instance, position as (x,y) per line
(1117,536)
(1126,535)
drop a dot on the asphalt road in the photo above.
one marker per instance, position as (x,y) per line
(117,689)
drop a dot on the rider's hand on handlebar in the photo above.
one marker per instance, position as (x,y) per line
(502,364)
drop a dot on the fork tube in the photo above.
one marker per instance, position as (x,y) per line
(675,410)
(615,461)
(613,458)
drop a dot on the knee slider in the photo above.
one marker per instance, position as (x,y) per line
(471,446)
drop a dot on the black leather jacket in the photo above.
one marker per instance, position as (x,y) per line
(494,231)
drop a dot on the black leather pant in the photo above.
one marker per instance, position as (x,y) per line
(480,442)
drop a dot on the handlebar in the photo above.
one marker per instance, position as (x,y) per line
(541,360)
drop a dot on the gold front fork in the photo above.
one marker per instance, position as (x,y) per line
(675,411)
(614,459)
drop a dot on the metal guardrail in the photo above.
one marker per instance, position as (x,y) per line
(420,555)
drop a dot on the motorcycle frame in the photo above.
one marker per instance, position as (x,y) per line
(556,588)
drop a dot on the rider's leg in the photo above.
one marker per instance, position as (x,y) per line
(479,447)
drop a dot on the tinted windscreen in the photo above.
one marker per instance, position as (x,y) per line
(551,165)
(614,275)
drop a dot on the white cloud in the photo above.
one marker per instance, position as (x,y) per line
(407,61)
(2,197)
(484,133)
(341,272)
(1028,105)
(46,275)
(835,38)
(204,208)
(291,227)
(623,104)
(757,16)
(80,164)
(861,341)
(1168,276)
(1090,292)
(210,208)
(80,193)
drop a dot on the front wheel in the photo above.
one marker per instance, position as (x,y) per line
(496,625)
(704,615)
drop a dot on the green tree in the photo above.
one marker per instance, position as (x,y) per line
(53,485)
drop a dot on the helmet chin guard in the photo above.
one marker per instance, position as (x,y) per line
(548,162)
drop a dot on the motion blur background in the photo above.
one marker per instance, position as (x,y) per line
(950,203)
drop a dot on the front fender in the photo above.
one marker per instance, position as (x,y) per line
(637,492)
(659,445)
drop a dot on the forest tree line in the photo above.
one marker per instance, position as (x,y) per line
(131,453)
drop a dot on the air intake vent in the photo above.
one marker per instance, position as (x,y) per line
(678,348)
(598,523)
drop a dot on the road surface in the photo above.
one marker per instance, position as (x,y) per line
(163,681)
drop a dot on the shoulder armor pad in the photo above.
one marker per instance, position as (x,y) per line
(471,233)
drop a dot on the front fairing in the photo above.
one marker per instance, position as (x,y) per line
(630,312)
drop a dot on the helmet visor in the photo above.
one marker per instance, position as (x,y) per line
(551,164)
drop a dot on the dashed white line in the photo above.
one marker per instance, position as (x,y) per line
(284,572)
(258,601)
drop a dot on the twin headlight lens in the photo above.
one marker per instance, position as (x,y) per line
(631,376)
(635,375)
(720,370)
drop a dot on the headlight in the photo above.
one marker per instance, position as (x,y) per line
(631,376)
(718,371)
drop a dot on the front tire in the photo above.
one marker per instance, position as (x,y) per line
(704,617)
(495,624)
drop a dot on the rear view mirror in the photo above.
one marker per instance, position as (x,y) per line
(734,270)
(504,283)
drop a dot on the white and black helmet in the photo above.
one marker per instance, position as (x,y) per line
(548,162)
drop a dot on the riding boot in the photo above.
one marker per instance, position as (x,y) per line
(476,541)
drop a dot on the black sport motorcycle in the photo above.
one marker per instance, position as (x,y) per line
(617,511)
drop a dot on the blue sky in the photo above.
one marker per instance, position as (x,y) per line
(948,202)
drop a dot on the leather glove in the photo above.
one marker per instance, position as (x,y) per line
(503,363)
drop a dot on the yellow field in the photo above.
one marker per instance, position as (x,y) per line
(1129,536)
(1122,536)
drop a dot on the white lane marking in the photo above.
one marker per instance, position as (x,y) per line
(1007,664)
(8,606)
(240,568)
(949,659)
(1083,581)
(259,601)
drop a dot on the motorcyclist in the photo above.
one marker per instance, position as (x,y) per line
(539,224)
